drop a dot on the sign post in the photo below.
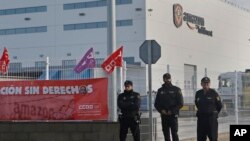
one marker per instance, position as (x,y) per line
(150,52)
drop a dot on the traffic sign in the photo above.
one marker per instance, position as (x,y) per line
(150,48)
(150,52)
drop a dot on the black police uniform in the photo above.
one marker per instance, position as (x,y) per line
(169,98)
(129,103)
(209,105)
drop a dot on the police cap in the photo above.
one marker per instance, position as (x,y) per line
(128,82)
(205,80)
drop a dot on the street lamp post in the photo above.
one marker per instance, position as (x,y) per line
(111,47)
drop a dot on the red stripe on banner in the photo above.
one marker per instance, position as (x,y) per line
(54,100)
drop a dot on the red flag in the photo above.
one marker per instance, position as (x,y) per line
(4,61)
(115,59)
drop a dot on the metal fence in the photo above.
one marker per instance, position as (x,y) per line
(232,86)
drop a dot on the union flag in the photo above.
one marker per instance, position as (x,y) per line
(4,61)
(115,59)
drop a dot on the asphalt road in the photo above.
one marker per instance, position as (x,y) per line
(222,137)
(187,127)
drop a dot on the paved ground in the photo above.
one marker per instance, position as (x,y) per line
(222,137)
(187,127)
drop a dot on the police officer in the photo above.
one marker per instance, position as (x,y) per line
(129,104)
(168,102)
(209,105)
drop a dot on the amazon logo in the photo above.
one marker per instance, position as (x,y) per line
(193,22)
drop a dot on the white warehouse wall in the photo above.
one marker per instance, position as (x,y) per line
(227,50)
(57,43)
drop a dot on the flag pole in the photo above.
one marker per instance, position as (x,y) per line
(111,47)
(47,68)
(124,71)
(119,79)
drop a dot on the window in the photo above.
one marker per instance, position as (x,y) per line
(41,29)
(40,64)
(79,5)
(23,10)
(91,4)
(68,6)
(225,83)
(10,31)
(15,66)
(20,10)
(2,12)
(69,27)
(41,9)
(102,3)
(31,30)
(23,30)
(102,24)
(90,25)
(20,30)
(79,26)
(126,23)
(2,32)
(129,60)
(10,12)
(30,10)
(118,2)
(68,62)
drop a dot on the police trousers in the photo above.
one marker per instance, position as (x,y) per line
(125,124)
(207,126)
(170,123)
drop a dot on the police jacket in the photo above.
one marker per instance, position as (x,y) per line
(207,103)
(129,103)
(169,98)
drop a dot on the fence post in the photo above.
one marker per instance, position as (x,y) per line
(120,79)
(236,99)
(124,70)
(206,72)
(47,68)
(168,68)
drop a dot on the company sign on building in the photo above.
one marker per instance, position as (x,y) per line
(193,22)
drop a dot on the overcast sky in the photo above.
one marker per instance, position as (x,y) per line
(243,3)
